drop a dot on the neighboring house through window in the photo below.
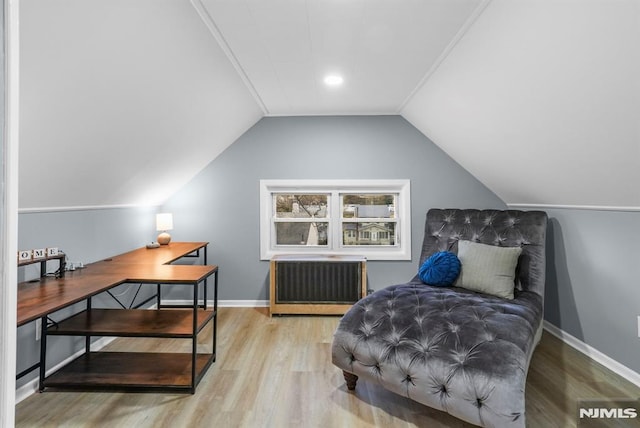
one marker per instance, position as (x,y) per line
(365,217)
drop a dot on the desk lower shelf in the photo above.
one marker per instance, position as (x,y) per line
(127,370)
(134,370)
(176,323)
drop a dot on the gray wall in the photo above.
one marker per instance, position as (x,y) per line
(593,268)
(85,236)
(221,204)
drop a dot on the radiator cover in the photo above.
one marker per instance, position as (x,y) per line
(316,284)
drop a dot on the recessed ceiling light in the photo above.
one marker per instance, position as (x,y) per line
(333,80)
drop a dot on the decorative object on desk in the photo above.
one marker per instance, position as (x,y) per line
(153,245)
(39,253)
(24,255)
(164,222)
(52,251)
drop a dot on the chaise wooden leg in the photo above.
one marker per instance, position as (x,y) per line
(351,380)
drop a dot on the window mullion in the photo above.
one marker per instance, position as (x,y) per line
(335,224)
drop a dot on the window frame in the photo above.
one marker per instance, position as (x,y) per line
(401,250)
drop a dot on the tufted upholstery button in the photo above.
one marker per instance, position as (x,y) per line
(377,369)
(443,390)
(408,379)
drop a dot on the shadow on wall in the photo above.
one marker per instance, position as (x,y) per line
(559,301)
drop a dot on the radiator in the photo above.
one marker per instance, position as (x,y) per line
(316,284)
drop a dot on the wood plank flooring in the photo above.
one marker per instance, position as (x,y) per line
(277,372)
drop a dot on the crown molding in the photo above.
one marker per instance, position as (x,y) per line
(447,50)
(208,21)
(577,207)
(84,208)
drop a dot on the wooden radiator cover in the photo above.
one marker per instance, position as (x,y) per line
(316,284)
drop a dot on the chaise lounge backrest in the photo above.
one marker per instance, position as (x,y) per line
(510,228)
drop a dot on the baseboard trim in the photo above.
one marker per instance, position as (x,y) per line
(31,387)
(594,354)
(221,303)
(243,303)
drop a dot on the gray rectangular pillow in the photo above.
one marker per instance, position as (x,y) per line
(487,268)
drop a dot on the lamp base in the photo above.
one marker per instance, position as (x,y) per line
(164,238)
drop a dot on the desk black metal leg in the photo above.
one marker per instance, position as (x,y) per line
(194,338)
(204,303)
(43,352)
(215,312)
(87,339)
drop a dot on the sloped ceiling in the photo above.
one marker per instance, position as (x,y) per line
(540,100)
(124,101)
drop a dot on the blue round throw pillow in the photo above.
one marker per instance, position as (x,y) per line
(441,269)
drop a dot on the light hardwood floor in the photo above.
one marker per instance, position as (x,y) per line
(277,372)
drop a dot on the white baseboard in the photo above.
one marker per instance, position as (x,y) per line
(222,303)
(594,354)
(243,303)
(31,387)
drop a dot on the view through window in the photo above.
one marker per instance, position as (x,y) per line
(365,217)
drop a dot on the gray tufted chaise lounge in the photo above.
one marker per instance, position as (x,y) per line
(452,349)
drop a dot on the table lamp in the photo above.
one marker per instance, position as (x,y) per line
(164,222)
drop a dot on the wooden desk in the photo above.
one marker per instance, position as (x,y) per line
(95,370)
(39,298)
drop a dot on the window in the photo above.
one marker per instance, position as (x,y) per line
(364,217)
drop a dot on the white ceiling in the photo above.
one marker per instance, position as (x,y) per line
(382,48)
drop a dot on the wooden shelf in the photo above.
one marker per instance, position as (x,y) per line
(60,257)
(176,323)
(126,370)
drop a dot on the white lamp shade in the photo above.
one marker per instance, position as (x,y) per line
(164,221)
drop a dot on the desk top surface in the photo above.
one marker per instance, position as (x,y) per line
(40,297)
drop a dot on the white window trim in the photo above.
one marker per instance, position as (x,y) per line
(403,215)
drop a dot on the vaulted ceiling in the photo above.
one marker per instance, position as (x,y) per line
(381,48)
(124,101)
